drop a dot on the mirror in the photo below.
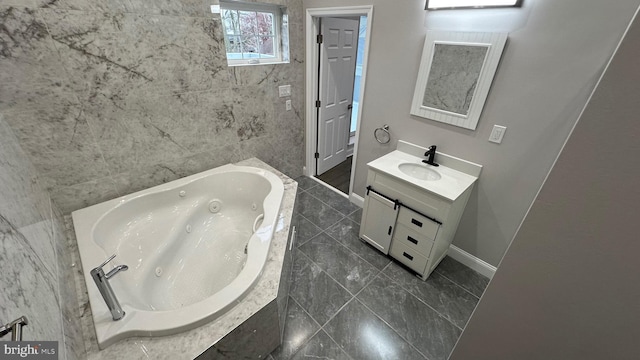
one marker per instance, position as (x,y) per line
(455,75)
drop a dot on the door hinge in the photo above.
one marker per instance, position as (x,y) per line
(316,155)
(319,39)
(317,103)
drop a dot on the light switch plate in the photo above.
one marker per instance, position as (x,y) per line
(284,90)
(497,133)
(288,104)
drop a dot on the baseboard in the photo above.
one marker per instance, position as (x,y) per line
(356,199)
(471,261)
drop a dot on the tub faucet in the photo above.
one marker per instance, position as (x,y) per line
(102,282)
(431,153)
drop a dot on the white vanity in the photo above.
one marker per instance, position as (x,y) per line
(411,209)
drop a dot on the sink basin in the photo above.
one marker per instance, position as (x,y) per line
(421,172)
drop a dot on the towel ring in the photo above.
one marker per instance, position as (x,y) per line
(382,134)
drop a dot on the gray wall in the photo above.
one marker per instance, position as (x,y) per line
(34,280)
(555,53)
(109,97)
(568,286)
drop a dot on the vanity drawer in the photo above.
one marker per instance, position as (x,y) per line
(412,240)
(408,256)
(418,223)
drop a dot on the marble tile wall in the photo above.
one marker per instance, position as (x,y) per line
(33,254)
(110,97)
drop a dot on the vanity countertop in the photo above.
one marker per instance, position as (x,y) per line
(450,186)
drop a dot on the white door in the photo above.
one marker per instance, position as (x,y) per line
(337,72)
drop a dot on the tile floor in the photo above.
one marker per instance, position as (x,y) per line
(348,301)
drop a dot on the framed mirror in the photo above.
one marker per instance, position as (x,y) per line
(455,75)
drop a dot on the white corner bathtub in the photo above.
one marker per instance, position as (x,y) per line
(193,246)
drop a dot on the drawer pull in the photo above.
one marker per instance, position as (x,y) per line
(389,232)
(416,222)
(407,256)
(412,240)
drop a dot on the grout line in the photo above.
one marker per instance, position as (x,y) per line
(422,301)
(355,253)
(305,311)
(393,329)
(347,248)
(312,335)
(459,285)
(331,207)
(330,277)
(311,222)
(337,312)
(334,340)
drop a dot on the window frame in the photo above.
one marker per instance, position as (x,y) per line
(278,48)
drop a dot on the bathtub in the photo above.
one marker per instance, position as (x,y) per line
(193,246)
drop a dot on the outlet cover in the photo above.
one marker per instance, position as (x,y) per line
(497,134)
(284,90)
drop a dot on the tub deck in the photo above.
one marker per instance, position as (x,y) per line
(263,304)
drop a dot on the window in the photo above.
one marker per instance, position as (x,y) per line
(254,33)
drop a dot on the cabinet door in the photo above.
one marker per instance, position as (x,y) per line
(378,221)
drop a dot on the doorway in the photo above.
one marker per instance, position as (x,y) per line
(337,47)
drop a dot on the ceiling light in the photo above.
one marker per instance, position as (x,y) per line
(457,4)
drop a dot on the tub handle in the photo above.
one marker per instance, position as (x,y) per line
(255,223)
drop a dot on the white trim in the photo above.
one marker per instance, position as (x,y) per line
(356,199)
(471,261)
(276,11)
(311,30)
(350,153)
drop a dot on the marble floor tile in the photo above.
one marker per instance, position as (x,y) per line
(340,263)
(472,281)
(356,216)
(333,199)
(299,327)
(447,298)
(346,232)
(363,335)
(430,333)
(315,291)
(305,182)
(321,346)
(425,320)
(319,213)
(305,230)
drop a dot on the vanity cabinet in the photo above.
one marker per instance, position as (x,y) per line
(409,223)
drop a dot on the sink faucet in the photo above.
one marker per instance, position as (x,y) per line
(102,282)
(431,153)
